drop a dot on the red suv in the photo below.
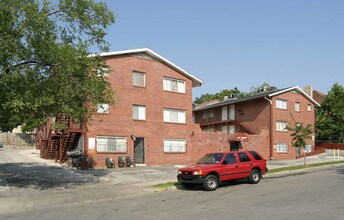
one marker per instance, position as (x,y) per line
(215,168)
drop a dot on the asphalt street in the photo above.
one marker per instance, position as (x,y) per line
(313,195)
(38,189)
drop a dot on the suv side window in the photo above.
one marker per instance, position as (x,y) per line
(255,155)
(243,157)
(230,159)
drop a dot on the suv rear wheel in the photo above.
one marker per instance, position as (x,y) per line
(255,176)
(211,183)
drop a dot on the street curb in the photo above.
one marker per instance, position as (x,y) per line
(299,171)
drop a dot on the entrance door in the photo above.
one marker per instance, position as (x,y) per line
(235,145)
(297,152)
(139,150)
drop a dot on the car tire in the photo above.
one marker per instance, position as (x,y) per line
(255,176)
(188,185)
(211,183)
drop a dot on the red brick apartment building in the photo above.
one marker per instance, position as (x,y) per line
(259,121)
(152,117)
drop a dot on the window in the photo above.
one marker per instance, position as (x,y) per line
(230,159)
(175,116)
(281,104)
(243,157)
(309,107)
(282,147)
(174,85)
(255,155)
(103,72)
(139,112)
(111,144)
(231,129)
(208,114)
(281,126)
(308,148)
(139,79)
(103,108)
(175,145)
(297,106)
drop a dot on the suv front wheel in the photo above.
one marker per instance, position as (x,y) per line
(255,176)
(211,183)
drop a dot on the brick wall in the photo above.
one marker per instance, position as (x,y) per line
(258,115)
(331,146)
(254,114)
(119,121)
(259,142)
(292,117)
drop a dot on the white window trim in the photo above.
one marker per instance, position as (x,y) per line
(280,124)
(278,149)
(231,129)
(103,108)
(173,145)
(141,112)
(103,144)
(144,78)
(281,104)
(297,107)
(180,114)
(308,148)
(309,107)
(103,72)
(180,85)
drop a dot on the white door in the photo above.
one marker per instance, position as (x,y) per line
(231,112)
(231,129)
(224,113)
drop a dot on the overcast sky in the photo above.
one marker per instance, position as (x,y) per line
(239,44)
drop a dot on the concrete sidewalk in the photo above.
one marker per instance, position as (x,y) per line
(328,156)
(141,177)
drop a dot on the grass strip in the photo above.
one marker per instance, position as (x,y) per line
(166,185)
(299,167)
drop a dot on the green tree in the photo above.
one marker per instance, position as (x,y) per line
(233,93)
(45,67)
(204,98)
(301,134)
(330,116)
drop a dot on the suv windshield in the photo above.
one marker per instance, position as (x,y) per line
(211,158)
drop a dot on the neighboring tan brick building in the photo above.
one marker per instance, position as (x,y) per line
(151,120)
(260,120)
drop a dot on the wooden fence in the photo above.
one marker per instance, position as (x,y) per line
(13,140)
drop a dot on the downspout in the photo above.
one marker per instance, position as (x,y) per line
(271,126)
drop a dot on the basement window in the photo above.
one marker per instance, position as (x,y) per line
(174,145)
(111,144)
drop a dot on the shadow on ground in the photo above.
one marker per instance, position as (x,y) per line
(43,177)
(340,170)
(224,184)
